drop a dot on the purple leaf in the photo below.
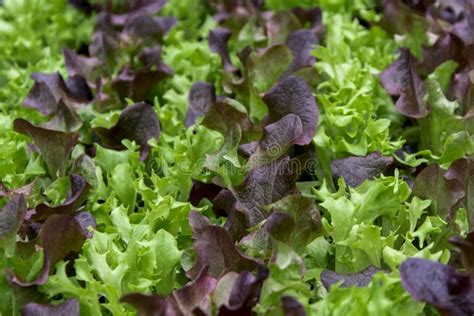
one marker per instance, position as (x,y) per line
(11,216)
(192,299)
(218,40)
(24,190)
(447,47)
(291,307)
(466,245)
(151,56)
(69,308)
(215,249)
(279,25)
(149,27)
(447,290)
(461,175)
(444,193)
(301,43)
(136,84)
(201,97)
(296,219)
(138,7)
(292,95)
(463,28)
(76,196)
(361,279)
(54,146)
(356,170)
(137,123)
(77,65)
(245,293)
(277,139)
(46,93)
(59,235)
(401,80)
(264,185)
(150,305)
(280,226)
(313,17)
(195,296)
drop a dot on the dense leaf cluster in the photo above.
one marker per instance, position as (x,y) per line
(237,157)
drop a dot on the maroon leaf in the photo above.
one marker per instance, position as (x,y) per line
(69,308)
(301,43)
(137,122)
(245,293)
(444,193)
(76,196)
(401,80)
(463,28)
(447,290)
(356,170)
(461,175)
(136,84)
(291,307)
(277,139)
(192,299)
(215,249)
(360,279)
(447,47)
(54,146)
(218,39)
(59,235)
(292,95)
(12,215)
(201,97)
(148,26)
(466,245)
(295,219)
(77,65)
(264,185)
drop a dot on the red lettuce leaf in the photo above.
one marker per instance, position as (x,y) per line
(137,123)
(215,249)
(466,245)
(201,97)
(439,285)
(54,146)
(292,95)
(400,79)
(361,279)
(192,299)
(264,185)
(12,215)
(444,192)
(76,196)
(356,170)
(59,235)
(69,308)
